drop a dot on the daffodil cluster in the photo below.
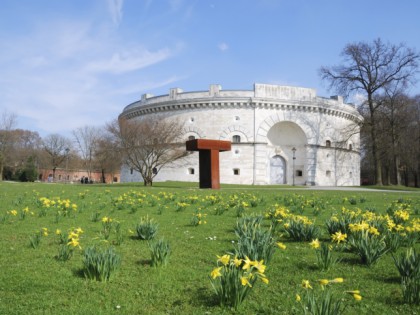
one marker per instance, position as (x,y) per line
(198,218)
(64,206)
(312,300)
(233,278)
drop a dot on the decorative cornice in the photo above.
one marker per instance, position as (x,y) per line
(250,103)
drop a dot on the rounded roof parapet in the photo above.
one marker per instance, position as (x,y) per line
(263,95)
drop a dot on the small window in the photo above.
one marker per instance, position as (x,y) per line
(191,137)
(350,147)
(328,173)
(236,151)
(191,171)
(131,171)
(236,171)
(236,139)
(328,144)
(237,118)
(299,173)
(192,119)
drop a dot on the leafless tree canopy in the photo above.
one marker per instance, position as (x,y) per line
(373,69)
(87,140)
(55,145)
(149,144)
(7,123)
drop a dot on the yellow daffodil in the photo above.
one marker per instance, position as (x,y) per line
(74,242)
(298,298)
(315,244)
(337,280)
(247,264)
(338,237)
(224,259)
(281,245)
(323,282)
(259,265)
(58,231)
(357,297)
(13,212)
(245,281)
(44,231)
(237,262)
(306,284)
(216,272)
(264,279)
(79,230)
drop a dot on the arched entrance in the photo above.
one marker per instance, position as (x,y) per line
(277,170)
(287,142)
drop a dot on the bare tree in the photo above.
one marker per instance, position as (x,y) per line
(87,140)
(370,69)
(57,148)
(107,156)
(149,144)
(7,123)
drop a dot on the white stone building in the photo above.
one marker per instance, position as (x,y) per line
(280,134)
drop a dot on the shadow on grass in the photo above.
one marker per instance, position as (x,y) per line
(79,272)
(202,297)
(144,262)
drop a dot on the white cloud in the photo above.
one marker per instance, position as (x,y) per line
(115,8)
(223,46)
(127,61)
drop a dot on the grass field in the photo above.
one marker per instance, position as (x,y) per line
(34,281)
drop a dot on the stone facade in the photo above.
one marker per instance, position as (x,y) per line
(279,134)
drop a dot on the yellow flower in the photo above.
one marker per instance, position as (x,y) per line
(357,297)
(244,282)
(338,237)
(74,242)
(337,280)
(281,245)
(247,264)
(259,265)
(58,231)
(13,212)
(237,262)
(323,282)
(44,231)
(314,244)
(79,230)
(216,272)
(298,298)
(306,284)
(106,220)
(26,210)
(264,279)
(224,259)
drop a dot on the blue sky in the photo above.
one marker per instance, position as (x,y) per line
(65,64)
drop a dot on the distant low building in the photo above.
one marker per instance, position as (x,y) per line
(280,134)
(75,176)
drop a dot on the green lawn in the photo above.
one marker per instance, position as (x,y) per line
(33,281)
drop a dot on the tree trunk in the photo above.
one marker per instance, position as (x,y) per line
(376,161)
(103,176)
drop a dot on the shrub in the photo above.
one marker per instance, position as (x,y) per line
(160,252)
(368,246)
(408,266)
(146,229)
(253,241)
(100,264)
